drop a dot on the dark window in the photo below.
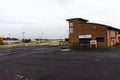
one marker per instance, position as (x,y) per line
(119,32)
(85,42)
(119,37)
(100,39)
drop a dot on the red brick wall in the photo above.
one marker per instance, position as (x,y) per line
(92,29)
(96,30)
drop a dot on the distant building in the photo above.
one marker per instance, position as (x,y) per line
(81,32)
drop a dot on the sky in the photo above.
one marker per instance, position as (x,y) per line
(47,18)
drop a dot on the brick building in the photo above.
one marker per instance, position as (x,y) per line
(81,32)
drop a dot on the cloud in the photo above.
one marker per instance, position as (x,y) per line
(64,2)
(49,16)
(2,21)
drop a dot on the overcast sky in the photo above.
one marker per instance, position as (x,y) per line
(47,18)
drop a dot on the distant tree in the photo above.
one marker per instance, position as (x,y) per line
(6,38)
(14,39)
(1,41)
(67,39)
(37,39)
(26,40)
(10,38)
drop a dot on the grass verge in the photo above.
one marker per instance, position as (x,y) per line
(52,43)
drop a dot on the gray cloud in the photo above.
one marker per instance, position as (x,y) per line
(49,16)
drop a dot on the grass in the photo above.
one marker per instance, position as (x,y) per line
(49,43)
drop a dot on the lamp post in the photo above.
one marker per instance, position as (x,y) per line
(9,39)
(23,38)
(42,37)
(23,35)
(67,34)
(9,35)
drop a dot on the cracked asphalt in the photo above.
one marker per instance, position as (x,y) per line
(58,63)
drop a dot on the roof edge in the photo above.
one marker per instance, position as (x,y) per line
(81,19)
(108,27)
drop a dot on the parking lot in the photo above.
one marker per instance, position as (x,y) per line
(59,63)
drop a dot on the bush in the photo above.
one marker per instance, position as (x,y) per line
(26,40)
(1,41)
(67,39)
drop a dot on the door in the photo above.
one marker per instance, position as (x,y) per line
(85,42)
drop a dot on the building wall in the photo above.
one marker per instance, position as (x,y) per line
(97,31)
(89,29)
(119,37)
(113,37)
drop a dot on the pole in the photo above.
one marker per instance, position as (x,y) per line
(23,38)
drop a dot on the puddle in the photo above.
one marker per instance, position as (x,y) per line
(65,50)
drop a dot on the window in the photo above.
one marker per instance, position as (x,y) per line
(71,25)
(100,39)
(119,32)
(70,30)
(119,38)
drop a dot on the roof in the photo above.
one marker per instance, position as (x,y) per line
(108,27)
(80,19)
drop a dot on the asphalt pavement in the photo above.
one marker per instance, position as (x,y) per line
(58,63)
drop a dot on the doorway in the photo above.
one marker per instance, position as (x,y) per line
(85,42)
